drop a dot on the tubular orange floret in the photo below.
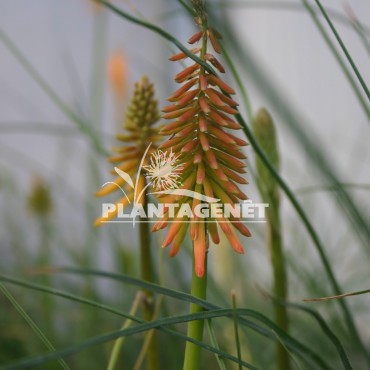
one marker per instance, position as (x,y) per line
(212,229)
(214,42)
(200,249)
(182,55)
(179,238)
(234,241)
(195,38)
(204,141)
(242,228)
(233,176)
(215,99)
(238,141)
(169,129)
(203,83)
(191,145)
(123,157)
(186,131)
(221,135)
(211,159)
(122,203)
(225,98)
(230,160)
(204,105)
(183,89)
(213,60)
(186,73)
(228,109)
(201,174)
(187,97)
(202,123)
(172,232)
(222,85)
(190,113)
(127,166)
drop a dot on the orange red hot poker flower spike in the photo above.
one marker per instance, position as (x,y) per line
(201,120)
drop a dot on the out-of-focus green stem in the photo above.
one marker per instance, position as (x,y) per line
(280,281)
(236,330)
(195,328)
(147,274)
(265,134)
(119,342)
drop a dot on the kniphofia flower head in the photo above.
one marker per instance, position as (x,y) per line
(140,136)
(201,138)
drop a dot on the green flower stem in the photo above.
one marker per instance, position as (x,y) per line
(265,133)
(120,341)
(195,328)
(147,274)
(280,281)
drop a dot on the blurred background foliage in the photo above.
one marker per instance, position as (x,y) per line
(67,70)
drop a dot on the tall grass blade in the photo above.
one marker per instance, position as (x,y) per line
(344,49)
(32,325)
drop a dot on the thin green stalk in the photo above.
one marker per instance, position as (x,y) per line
(317,188)
(344,49)
(338,57)
(359,28)
(265,134)
(212,336)
(236,330)
(32,324)
(159,31)
(149,336)
(243,90)
(147,274)
(280,281)
(120,341)
(48,305)
(195,328)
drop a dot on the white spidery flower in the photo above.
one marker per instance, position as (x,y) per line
(164,172)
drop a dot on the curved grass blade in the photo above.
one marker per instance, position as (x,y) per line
(140,328)
(57,100)
(98,305)
(289,341)
(358,27)
(316,188)
(338,57)
(300,349)
(326,329)
(340,296)
(32,325)
(284,6)
(212,336)
(344,49)
(157,30)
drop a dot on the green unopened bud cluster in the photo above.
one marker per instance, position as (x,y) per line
(143,109)
(39,200)
(265,134)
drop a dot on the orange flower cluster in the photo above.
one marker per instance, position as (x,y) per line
(211,158)
(141,115)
